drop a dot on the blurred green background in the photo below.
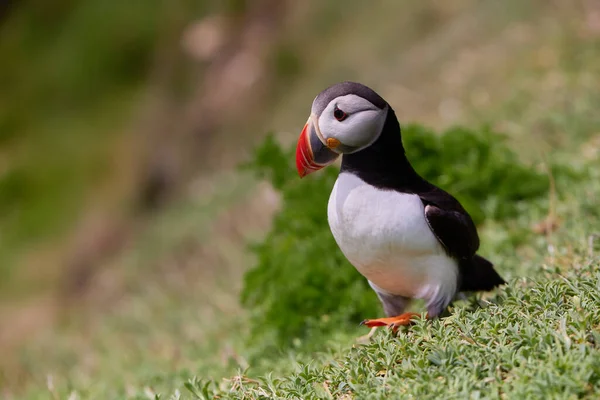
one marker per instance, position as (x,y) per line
(124,218)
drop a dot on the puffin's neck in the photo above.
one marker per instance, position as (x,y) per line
(384,164)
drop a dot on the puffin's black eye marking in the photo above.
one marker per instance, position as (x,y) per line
(339,114)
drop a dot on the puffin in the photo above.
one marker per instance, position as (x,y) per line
(407,237)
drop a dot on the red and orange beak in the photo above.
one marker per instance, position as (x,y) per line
(311,153)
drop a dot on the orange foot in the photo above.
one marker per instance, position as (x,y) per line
(392,322)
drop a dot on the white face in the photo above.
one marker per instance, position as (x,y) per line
(352,120)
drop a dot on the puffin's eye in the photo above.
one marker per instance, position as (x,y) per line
(339,114)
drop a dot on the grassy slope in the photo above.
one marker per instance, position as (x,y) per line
(158,336)
(537,338)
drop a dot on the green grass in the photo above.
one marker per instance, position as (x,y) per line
(535,340)
(539,337)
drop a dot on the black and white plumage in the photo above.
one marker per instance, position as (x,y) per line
(409,238)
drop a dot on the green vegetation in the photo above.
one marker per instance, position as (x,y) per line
(537,339)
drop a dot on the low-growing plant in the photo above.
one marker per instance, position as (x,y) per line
(302,281)
(539,342)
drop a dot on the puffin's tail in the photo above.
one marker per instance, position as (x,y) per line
(479,275)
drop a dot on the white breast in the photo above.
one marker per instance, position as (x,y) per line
(384,234)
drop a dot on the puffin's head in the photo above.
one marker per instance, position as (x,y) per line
(345,118)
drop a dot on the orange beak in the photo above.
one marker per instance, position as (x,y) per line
(311,153)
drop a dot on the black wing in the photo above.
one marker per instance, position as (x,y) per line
(450,223)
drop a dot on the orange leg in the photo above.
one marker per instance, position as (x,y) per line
(392,322)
